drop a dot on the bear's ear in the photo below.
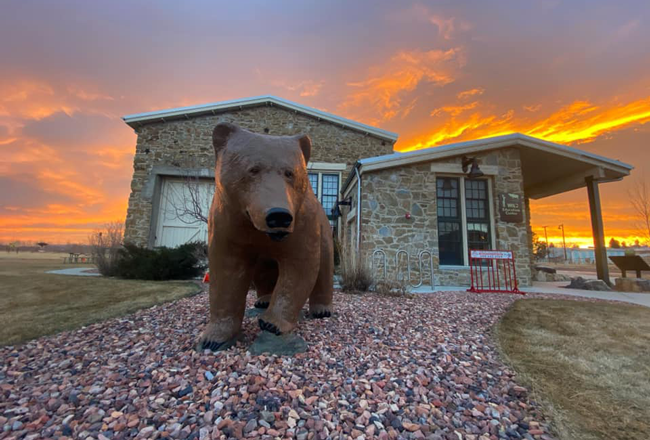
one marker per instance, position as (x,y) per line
(305,146)
(221,134)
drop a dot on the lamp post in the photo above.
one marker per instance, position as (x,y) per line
(563,241)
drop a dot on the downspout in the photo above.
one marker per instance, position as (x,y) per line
(356,171)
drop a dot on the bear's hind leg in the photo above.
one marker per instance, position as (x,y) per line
(266,275)
(320,300)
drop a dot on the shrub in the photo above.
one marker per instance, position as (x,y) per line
(105,246)
(141,263)
(356,276)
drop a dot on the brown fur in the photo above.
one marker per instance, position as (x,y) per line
(256,173)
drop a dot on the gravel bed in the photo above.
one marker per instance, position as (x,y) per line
(382,367)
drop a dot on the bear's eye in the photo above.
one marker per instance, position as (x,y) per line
(288,174)
(254,170)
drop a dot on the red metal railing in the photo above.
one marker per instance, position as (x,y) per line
(493,272)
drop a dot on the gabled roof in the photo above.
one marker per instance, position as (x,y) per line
(139,119)
(569,167)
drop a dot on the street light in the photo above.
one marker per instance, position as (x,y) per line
(563,241)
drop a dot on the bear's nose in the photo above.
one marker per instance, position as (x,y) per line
(278,218)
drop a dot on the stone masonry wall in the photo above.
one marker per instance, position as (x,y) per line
(389,194)
(187,145)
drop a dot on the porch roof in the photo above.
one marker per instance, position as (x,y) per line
(548,168)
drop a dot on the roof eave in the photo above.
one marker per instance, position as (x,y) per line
(136,120)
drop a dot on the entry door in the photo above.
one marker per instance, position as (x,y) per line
(181,203)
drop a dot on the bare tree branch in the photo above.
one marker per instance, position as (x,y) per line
(193,205)
(640,200)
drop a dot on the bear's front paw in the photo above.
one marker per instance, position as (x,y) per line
(320,311)
(215,339)
(263,302)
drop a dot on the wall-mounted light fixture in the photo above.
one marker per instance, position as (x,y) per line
(474,172)
(336,211)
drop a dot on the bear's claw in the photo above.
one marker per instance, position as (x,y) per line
(211,345)
(261,304)
(322,314)
(267,326)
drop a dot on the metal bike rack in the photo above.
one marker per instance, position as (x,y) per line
(402,275)
(431,272)
(382,254)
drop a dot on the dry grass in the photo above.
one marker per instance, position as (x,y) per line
(34,303)
(587,362)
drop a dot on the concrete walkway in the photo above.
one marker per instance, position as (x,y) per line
(77,271)
(556,288)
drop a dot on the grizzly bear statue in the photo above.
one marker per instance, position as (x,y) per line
(266,227)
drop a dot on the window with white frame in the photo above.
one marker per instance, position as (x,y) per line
(325,180)
(464,218)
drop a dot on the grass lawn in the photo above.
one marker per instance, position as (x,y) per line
(34,303)
(587,362)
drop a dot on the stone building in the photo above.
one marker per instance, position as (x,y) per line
(445,200)
(173,169)
(427,200)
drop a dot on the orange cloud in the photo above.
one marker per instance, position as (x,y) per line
(384,94)
(578,122)
(470,92)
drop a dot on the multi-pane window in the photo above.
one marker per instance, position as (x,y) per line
(450,238)
(329,191)
(313,180)
(326,188)
(478,216)
(462,202)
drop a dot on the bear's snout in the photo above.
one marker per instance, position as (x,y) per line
(278,218)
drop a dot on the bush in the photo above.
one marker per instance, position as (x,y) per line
(356,276)
(141,263)
(105,246)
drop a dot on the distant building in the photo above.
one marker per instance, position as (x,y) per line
(587,255)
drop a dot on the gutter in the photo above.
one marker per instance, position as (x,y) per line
(356,171)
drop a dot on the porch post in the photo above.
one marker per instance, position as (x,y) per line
(600,251)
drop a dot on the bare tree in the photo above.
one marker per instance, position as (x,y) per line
(104,247)
(193,205)
(640,199)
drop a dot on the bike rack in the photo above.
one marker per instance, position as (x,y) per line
(400,275)
(382,254)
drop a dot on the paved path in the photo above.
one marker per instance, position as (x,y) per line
(78,271)
(557,288)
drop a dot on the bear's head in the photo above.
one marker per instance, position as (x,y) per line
(263,178)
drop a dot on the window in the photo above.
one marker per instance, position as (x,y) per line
(478,216)
(330,191)
(450,238)
(326,187)
(313,179)
(464,223)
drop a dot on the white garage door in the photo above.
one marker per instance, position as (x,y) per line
(182,203)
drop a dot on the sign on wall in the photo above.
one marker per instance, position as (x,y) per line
(511,208)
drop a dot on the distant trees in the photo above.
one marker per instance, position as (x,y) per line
(41,244)
(540,248)
(614,243)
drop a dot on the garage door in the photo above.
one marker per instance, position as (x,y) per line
(182,203)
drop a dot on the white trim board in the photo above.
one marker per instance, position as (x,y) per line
(138,119)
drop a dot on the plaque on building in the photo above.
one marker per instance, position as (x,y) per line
(511,208)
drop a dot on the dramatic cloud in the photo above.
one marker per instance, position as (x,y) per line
(387,92)
(434,72)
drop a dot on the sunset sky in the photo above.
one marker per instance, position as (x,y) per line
(574,72)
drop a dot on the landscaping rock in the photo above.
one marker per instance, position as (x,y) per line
(285,345)
(581,283)
(632,285)
(371,370)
